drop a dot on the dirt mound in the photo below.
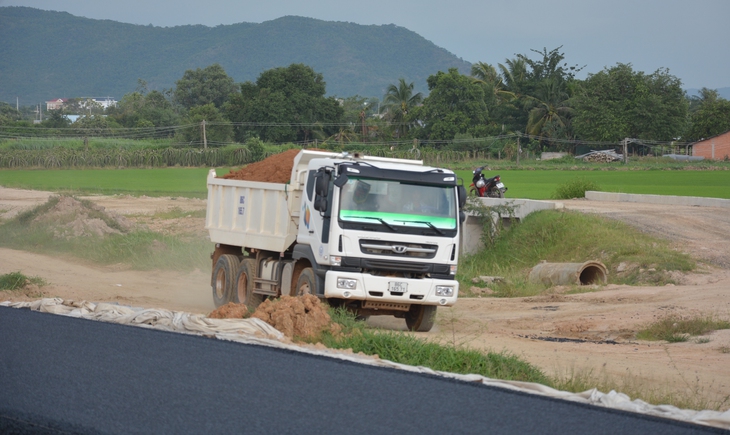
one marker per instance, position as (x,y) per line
(73,218)
(231,310)
(296,317)
(27,292)
(300,317)
(273,169)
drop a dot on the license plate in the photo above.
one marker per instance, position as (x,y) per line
(397,287)
(500,185)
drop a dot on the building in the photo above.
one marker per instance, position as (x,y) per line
(713,148)
(104,102)
(83,102)
(55,104)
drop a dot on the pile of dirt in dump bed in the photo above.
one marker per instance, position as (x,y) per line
(296,317)
(273,169)
(70,217)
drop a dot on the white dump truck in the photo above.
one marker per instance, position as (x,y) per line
(379,236)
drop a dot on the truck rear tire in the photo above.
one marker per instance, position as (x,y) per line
(306,283)
(224,279)
(243,292)
(420,318)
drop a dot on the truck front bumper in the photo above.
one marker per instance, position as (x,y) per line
(366,287)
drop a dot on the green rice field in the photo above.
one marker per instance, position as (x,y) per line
(184,182)
(529,184)
(540,184)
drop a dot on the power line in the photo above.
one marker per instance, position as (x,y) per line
(137,133)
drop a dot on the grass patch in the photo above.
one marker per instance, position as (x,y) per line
(18,281)
(177,213)
(138,249)
(675,329)
(147,250)
(571,237)
(575,189)
(405,348)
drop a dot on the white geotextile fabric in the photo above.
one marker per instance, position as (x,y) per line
(175,321)
(255,331)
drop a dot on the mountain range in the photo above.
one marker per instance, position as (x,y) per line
(46,55)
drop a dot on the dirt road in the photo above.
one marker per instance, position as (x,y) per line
(558,333)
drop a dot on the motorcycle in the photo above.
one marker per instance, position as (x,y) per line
(487,187)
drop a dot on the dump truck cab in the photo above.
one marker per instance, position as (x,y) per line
(382,235)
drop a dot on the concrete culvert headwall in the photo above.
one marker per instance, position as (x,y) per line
(588,273)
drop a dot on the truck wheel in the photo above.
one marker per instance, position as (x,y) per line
(244,282)
(420,318)
(224,279)
(306,285)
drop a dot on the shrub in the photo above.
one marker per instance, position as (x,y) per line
(16,281)
(574,189)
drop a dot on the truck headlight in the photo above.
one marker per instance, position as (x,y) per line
(444,290)
(335,260)
(346,283)
(452,269)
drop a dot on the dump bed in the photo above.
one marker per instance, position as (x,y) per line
(251,214)
(255,214)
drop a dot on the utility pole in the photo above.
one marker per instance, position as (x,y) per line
(205,141)
(626,150)
(519,150)
(362,119)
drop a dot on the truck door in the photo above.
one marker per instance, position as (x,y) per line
(314,225)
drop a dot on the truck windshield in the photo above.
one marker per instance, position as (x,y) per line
(398,204)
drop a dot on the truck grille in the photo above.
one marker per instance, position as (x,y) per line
(396,249)
(395,266)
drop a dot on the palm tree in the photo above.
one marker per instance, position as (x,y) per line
(398,100)
(344,134)
(514,75)
(549,115)
(486,75)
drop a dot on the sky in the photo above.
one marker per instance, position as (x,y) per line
(689,38)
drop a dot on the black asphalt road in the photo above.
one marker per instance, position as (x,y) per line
(60,374)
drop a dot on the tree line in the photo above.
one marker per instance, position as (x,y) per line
(537,95)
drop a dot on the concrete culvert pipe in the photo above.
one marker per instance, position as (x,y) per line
(590,272)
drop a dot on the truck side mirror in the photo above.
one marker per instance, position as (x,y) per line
(320,204)
(461,193)
(321,182)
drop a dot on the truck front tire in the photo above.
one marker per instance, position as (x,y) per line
(224,279)
(420,318)
(306,283)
